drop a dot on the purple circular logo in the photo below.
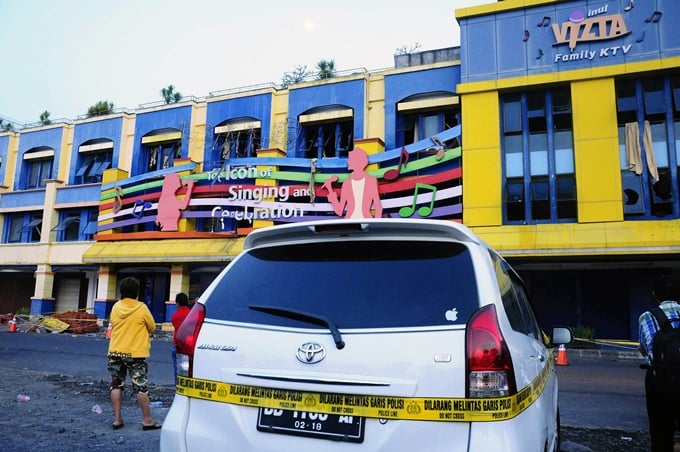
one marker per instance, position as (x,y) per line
(577,16)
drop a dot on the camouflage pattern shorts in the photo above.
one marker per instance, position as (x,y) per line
(119,366)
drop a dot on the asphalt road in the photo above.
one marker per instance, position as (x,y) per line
(603,393)
(594,393)
(77,355)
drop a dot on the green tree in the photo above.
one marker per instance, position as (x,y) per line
(405,50)
(170,95)
(296,76)
(103,107)
(45,118)
(326,69)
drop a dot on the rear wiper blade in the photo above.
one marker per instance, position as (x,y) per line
(305,317)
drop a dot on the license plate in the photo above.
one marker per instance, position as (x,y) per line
(316,425)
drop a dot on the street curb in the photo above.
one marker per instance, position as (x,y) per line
(615,355)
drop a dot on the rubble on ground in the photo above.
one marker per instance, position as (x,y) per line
(73,322)
(78,322)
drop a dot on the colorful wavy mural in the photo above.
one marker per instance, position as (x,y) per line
(421,180)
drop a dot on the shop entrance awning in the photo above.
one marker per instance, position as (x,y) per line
(169,250)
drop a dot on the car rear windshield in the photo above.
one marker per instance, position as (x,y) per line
(369,284)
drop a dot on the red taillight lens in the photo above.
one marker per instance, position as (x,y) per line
(186,339)
(489,365)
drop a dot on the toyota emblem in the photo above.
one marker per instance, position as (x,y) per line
(310,353)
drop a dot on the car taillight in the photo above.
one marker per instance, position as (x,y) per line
(489,365)
(186,337)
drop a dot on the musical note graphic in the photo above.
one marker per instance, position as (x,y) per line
(423,211)
(393,173)
(540,54)
(118,203)
(641,37)
(654,18)
(545,22)
(630,6)
(139,208)
(526,35)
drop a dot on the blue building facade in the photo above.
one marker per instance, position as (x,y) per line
(524,133)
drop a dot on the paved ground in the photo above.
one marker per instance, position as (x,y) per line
(63,413)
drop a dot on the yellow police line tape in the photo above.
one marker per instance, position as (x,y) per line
(406,408)
(615,343)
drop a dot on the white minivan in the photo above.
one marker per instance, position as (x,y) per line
(365,335)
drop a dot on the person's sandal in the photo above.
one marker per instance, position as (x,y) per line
(154,426)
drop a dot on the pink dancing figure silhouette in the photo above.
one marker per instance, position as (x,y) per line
(169,205)
(359,192)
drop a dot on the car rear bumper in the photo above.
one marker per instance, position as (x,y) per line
(173,434)
(233,427)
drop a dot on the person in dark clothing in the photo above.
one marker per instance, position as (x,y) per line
(662,408)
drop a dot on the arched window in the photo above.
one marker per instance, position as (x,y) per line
(160,148)
(37,167)
(425,115)
(94,156)
(235,138)
(326,132)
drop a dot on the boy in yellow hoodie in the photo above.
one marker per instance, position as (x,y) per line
(129,349)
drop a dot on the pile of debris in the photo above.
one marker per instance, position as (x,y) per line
(74,322)
(78,322)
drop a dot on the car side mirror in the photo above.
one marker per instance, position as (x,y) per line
(561,335)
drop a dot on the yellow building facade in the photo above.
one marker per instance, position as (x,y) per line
(553,132)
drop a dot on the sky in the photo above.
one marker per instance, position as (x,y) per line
(64,56)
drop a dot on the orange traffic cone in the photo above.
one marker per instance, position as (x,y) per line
(108,330)
(562,356)
(13,325)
